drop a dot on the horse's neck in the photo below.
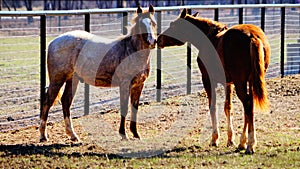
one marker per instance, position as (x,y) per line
(211,29)
(136,42)
(132,45)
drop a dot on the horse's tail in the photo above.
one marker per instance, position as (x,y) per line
(260,98)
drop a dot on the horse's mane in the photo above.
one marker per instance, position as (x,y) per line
(208,26)
(130,29)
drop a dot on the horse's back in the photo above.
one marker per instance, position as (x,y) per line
(65,50)
(247,31)
(69,40)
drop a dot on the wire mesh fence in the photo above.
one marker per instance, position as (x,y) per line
(20,59)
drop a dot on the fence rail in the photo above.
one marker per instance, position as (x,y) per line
(281,23)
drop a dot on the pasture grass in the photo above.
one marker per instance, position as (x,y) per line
(187,154)
(277,134)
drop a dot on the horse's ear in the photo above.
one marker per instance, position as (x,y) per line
(139,10)
(151,8)
(196,14)
(183,13)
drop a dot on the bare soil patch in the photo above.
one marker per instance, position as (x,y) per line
(175,133)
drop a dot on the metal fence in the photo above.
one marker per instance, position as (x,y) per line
(23,49)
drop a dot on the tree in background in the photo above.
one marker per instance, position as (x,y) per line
(28,5)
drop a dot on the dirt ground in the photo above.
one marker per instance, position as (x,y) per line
(176,122)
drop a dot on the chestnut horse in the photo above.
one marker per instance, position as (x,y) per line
(80,56)
(243,52)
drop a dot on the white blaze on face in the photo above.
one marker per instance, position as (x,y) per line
(151,35)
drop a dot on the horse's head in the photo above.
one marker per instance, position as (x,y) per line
(176,34)
(146,26)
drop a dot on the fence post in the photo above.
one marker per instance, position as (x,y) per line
(158,61)
(216,15)
(87,18)
(189,61)
(282,41)
(124,23)
(240,15)
(43,60)
(263,18)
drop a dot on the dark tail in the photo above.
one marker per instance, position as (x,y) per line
(260,98)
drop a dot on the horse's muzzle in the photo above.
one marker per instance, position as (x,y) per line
(159,43)
(152,43)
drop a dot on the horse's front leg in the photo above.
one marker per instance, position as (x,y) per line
(135,94)
(211,93)
(214,119)
(210,89)
(124,97)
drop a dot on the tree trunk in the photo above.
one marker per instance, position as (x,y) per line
(59,4)
(119,4)
(5,4)
(66,8)
(28,5)
(137,3)
(81,4)
(45,5)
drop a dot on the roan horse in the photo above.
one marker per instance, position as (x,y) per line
(243,52)
(80,56)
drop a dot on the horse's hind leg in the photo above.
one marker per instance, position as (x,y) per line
(135,95)
(51,95)
(247,101)
(67,99)
(210,89)
(228,111)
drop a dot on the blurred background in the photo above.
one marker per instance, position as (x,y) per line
(30,5)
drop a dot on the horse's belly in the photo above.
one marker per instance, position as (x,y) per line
(104,80)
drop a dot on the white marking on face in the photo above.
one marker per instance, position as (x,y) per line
(151,36)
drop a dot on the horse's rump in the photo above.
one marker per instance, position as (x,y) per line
(246,56)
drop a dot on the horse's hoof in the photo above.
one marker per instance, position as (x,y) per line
(137,136)
(249,151)
(123,136)
(43,139)
(76,139)
(237,150)
(230,144)
(213,144)
(242,147)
